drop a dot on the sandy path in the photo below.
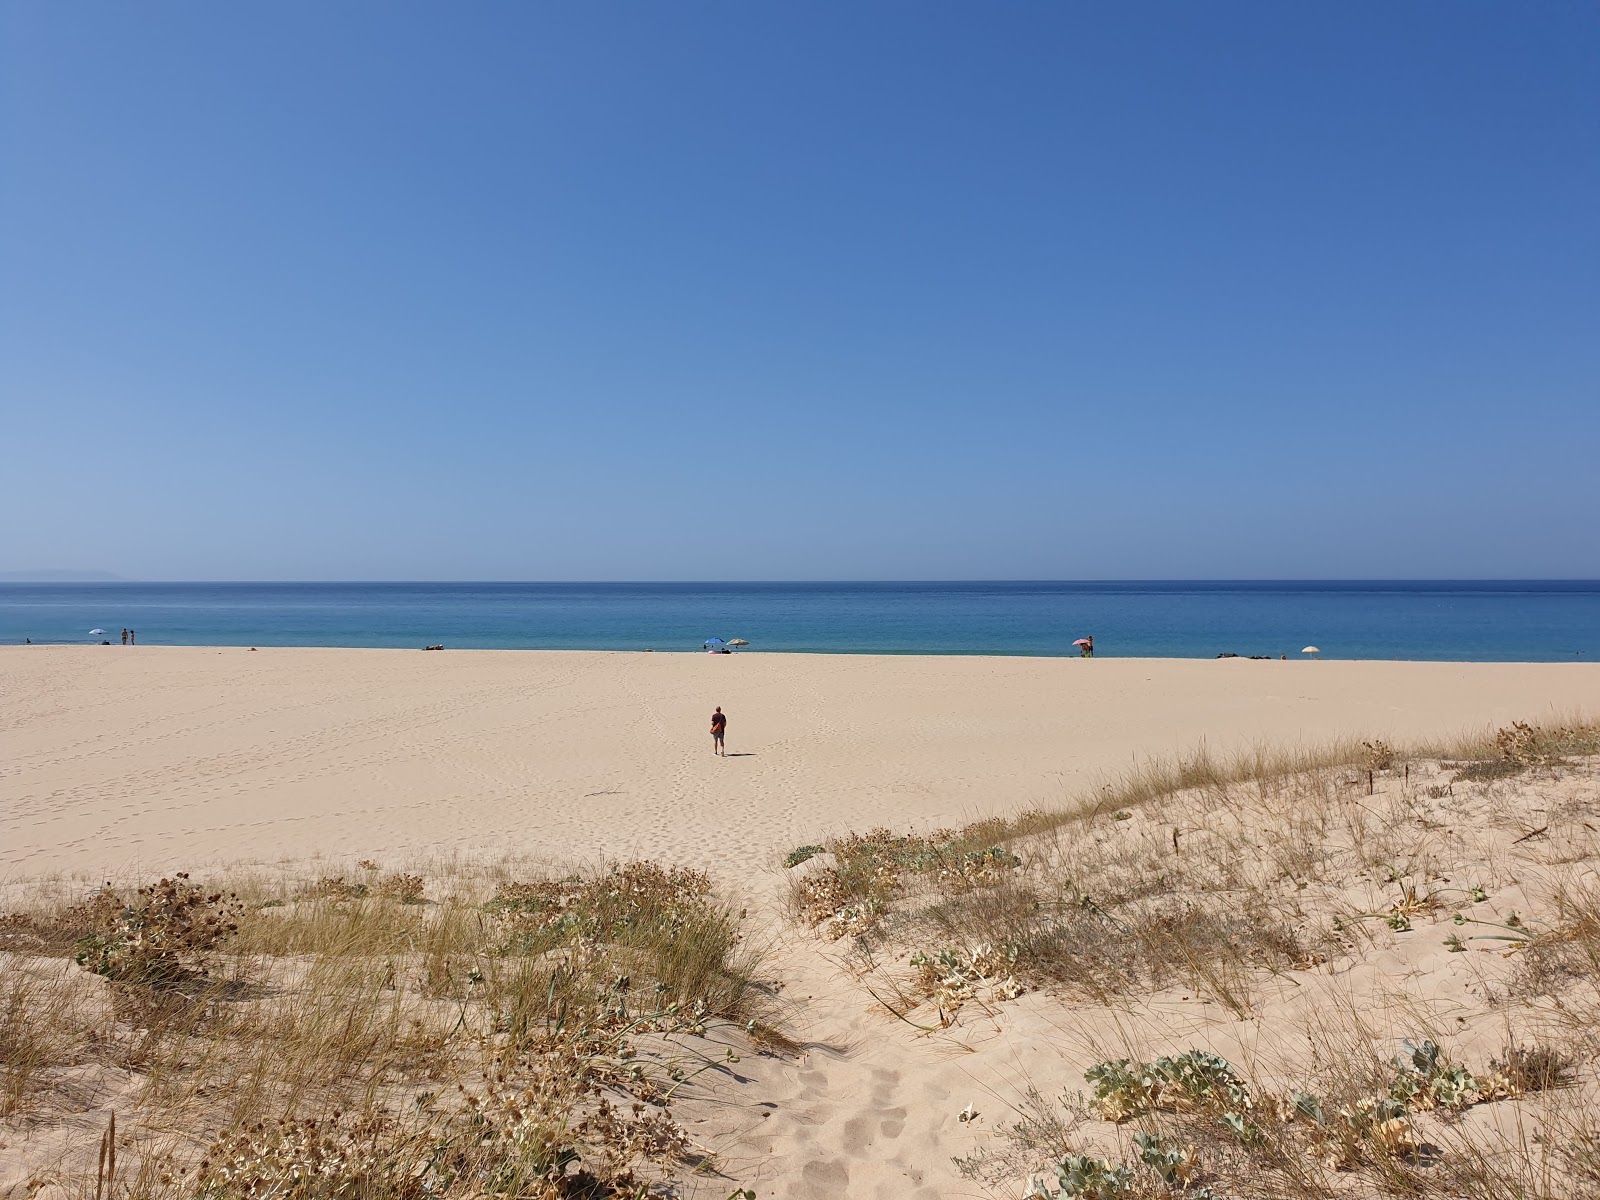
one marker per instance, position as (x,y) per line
(169,757)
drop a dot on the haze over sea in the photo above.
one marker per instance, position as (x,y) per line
(1519,620)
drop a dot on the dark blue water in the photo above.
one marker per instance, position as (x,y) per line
(1504,621)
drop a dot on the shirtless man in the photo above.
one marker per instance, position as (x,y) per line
(719,726)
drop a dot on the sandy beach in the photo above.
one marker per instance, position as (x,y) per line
(168,758)
(129,763)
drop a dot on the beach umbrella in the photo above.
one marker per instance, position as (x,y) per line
(96,632)
(1083,642)
(1311,650)
(714,643)
(738,642)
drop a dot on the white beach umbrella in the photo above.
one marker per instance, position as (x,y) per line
(737,642)
(1311,650)
(96,632)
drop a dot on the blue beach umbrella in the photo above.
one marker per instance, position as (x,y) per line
(714,643)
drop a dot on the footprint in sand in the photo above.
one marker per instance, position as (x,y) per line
(821,1179)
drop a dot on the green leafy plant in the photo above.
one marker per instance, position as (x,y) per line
(1192,1080)
(1175,1164)
(1092,1178)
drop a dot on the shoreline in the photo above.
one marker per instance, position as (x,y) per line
(893,655)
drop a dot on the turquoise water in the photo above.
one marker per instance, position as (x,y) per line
(1496,621)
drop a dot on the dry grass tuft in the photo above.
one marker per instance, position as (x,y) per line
(1197,871)
(1257,882)
(339,1039)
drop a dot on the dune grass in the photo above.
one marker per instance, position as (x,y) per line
(352,1037)
(1190,869)
(1240,882)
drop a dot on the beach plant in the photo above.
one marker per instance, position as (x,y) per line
(333,887)
(1175,1164)
(1162,1170)
(406,888)
(1521,744)
(1534,1068)
(1193,1080)
(871,870)
(1424,1079)
(526,1141)
(1107,912)
(164,932)
(802,854)
(1099,911)
(604,907)
(1078,1175)
(1342,1136)
(1380,755)
(362,1046)
(952,978)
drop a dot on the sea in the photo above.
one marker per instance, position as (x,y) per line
(1497,621)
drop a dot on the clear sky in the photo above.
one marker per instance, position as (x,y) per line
(825,290)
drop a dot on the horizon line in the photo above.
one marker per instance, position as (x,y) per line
(793,582)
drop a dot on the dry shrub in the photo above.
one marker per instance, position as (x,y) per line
(870,870)
(333,887)
(528,1046)
(542,1129)
(1068,941)
(640,921)
(636,894)
(1207,871)
(1515,748)
(1535,1068)
(163,934)
(1380,755)
(407,889)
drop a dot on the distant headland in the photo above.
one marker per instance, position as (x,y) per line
(60,576)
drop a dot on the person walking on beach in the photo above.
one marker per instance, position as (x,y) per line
(124,637)
(719,726)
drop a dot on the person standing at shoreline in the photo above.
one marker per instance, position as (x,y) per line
(719,726)
(133,638)
(124,637)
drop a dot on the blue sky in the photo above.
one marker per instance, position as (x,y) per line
(735,291)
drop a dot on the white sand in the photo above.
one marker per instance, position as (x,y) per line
(170,758)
